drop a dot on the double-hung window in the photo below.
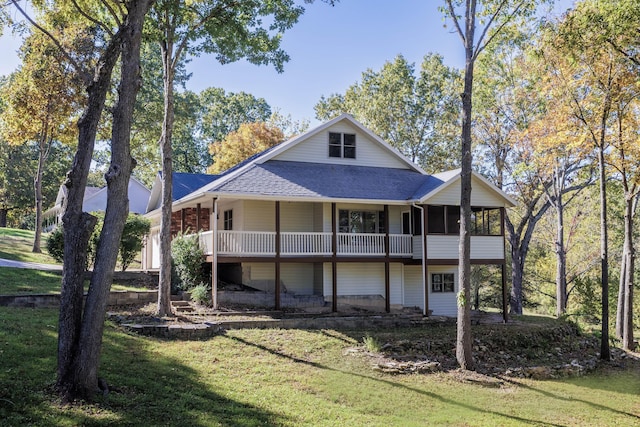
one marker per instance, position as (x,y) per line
(342,145)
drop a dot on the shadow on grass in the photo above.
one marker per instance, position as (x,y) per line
(379,381)
(147,388)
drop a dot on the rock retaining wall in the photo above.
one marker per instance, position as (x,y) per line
(53,300)
(204,330)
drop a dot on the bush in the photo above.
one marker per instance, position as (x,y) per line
(135,229)
(55,244)
(187,257)
(200,294)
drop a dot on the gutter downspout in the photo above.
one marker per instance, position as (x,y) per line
(424,259)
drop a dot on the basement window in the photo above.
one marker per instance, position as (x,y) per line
(442,282)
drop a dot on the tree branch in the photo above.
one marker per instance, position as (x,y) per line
(84,73)
(91,19)
(455,22)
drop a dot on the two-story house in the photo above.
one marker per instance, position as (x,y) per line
(339,214)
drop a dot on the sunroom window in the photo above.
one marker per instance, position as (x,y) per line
(342,145)
(446,220)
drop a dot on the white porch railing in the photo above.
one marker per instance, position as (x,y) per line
(305,243)
(262,243)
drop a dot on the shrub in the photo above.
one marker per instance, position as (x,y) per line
(55,244)
(135,229)
(371,344)
(200,294)
(187,257)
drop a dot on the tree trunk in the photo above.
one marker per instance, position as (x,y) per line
(3,217)
(78,225)
(621,292)
(80,337)
(627,324)
(117,178)
(605,352)
(561,257)
(517,273)
(164,285)
(37,187)
(519,240)
(464,352)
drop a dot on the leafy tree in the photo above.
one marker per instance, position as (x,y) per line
(116,30)
(289,127)
(418,115)
(249,139)
(507,101)
(606,28)
(224,112)
(591,76)
(250,30)
(495,16)
(42,97)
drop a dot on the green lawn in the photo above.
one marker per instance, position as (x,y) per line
(17,245)
(282,378)
(17,281)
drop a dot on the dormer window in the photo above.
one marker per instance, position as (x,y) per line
(342,145)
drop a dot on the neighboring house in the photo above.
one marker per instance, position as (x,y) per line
(338,215)
(95,200)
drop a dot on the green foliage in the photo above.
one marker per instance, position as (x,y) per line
(131,242)
(201,294)
(371,343)
(224,112)
(188,258)
(55,244)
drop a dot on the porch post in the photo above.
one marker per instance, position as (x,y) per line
(425,268)
(183,218)
(505,316)
(277,287)
(387,292)
(198,225)
(334,259)
(214,258)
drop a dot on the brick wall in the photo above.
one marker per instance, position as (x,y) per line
(190,218)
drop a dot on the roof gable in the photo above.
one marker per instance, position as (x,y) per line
(483,192)
(313,147)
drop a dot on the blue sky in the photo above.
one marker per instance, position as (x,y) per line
(330,47)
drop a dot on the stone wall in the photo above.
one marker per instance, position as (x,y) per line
(53,300)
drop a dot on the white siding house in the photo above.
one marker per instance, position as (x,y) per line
(339,215)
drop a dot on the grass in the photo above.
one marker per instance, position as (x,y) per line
(282,378)
(19,281)
(17,244)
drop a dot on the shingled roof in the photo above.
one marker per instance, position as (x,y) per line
(320,180)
